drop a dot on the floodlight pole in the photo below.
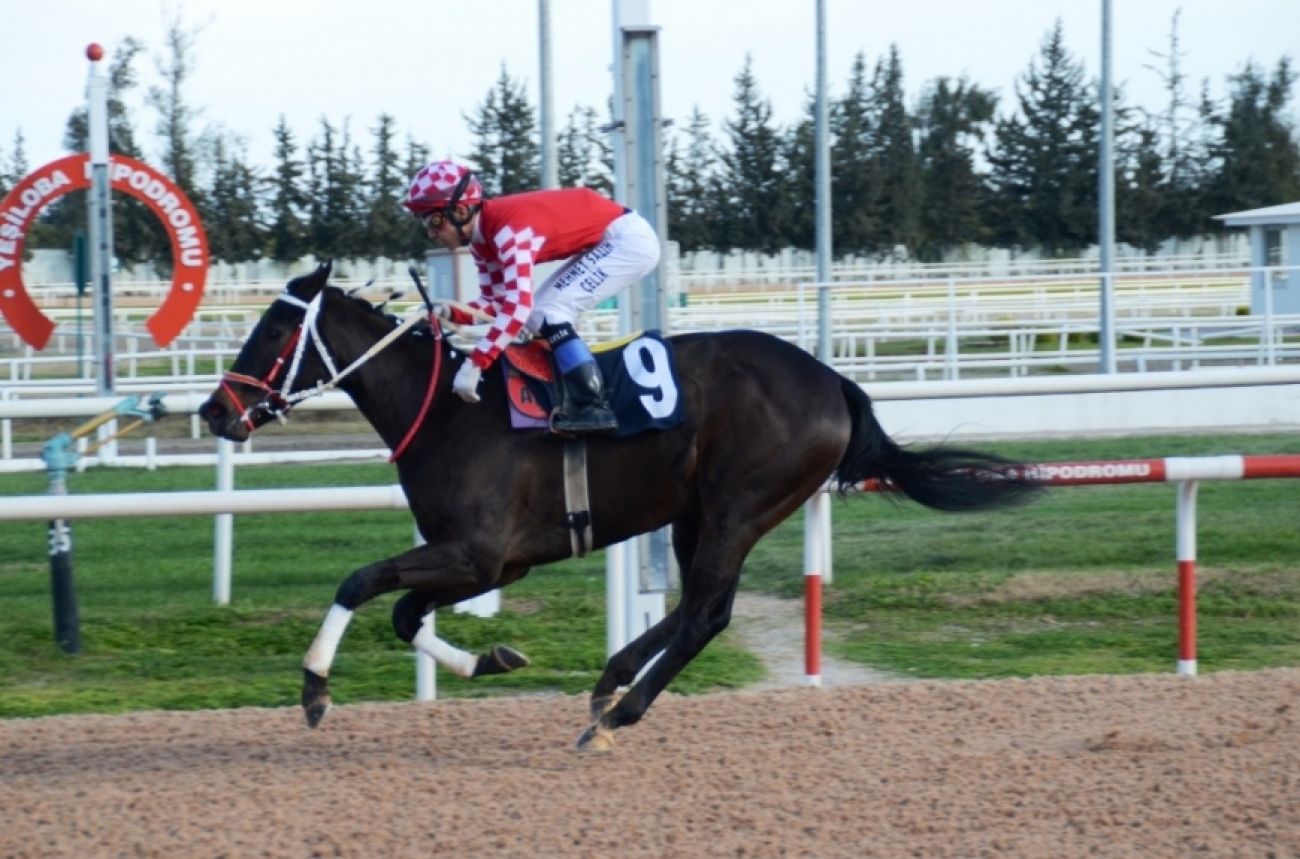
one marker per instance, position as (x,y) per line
(1106,200)
(550,169)
(822,180)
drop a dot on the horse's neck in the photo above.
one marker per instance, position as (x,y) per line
(389,389)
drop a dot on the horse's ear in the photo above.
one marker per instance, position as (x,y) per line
(307,286)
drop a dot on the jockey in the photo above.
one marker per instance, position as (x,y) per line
(607,247)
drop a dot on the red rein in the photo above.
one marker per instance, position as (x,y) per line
(428,395)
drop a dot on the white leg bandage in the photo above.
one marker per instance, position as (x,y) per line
(453,659)
(321,656)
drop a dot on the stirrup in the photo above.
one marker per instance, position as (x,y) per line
(598,421)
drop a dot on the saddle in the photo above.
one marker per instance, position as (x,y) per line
(640,376)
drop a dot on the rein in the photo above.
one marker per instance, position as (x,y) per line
(277,403)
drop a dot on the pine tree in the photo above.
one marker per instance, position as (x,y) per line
(583,153)
(800,157)
(416,240)
(387,230)
(753,204)
(1180,144)
(13,167)
(1255,148)
(898,206)
(1044,159)
(232,216)
(176,116)
(856,180)
(507,155)
(692,187)
(287,235)
(953,120)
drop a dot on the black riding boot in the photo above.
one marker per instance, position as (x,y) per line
(585,408)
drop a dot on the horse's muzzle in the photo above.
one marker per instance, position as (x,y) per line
(222,422)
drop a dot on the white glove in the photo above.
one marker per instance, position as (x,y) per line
(441,310)
(466,382)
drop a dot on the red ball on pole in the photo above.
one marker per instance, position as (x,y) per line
(94,52)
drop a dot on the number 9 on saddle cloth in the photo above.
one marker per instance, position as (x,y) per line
(640,374)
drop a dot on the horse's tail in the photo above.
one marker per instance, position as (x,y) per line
(944,478)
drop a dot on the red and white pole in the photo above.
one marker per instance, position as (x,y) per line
(814,509)
(1186,546)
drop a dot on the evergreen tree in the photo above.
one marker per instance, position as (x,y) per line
(856,179)
(176,117)
(583,153)
(755,210)
(1044,159)
(800,157)
(333,188)
(506,152)
(416,241)
(287,234)
(1255,148)
(898,206)
(1140,188)
(388,221)
(13,167)
(232,215)
(692,187)
(953,120)
(1179,142)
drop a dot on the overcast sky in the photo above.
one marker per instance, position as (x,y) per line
(430,62)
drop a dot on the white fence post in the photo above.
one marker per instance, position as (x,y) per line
(225,524)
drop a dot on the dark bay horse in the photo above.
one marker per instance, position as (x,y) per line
(765,426)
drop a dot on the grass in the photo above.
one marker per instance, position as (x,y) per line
(1080,582)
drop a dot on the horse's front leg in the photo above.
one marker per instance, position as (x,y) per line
(444,573)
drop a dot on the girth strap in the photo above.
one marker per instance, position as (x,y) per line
(576,504)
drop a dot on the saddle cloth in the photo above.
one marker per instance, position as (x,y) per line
(640,376)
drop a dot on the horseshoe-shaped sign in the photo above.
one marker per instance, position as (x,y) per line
(189,243)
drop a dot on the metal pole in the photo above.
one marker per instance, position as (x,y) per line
(63,587)
(1106,199)
(100,221)
(550,170)
(823,194)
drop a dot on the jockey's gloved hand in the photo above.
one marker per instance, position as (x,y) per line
(441,310)
(466,383)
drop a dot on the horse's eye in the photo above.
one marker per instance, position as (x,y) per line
(274,333)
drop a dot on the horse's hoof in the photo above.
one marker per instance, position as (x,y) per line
(602,705)
(315,712)
(315,697)
(500,660)
(596,738)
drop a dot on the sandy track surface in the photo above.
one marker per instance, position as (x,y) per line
(1148,766)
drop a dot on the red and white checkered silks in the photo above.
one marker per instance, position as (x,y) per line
(432,186)
(506,286)
(516,232)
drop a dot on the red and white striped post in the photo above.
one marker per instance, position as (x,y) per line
(816,553)
(1185,537)
(1186,471)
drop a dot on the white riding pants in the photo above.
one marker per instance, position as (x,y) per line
(627,252)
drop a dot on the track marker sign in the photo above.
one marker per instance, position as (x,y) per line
(41,187)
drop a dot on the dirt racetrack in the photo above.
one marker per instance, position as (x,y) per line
(1145,766)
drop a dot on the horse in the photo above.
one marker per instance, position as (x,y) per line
(765,425)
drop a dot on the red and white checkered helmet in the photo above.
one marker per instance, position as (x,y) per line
(442,184)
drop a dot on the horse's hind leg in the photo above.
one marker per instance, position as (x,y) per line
(408,623)
(622,667)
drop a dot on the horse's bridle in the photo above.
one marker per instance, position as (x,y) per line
(278,401)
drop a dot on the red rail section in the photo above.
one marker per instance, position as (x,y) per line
(1186,471)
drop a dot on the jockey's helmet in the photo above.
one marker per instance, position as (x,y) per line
(442,185)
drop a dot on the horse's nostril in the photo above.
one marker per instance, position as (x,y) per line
(212,410)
